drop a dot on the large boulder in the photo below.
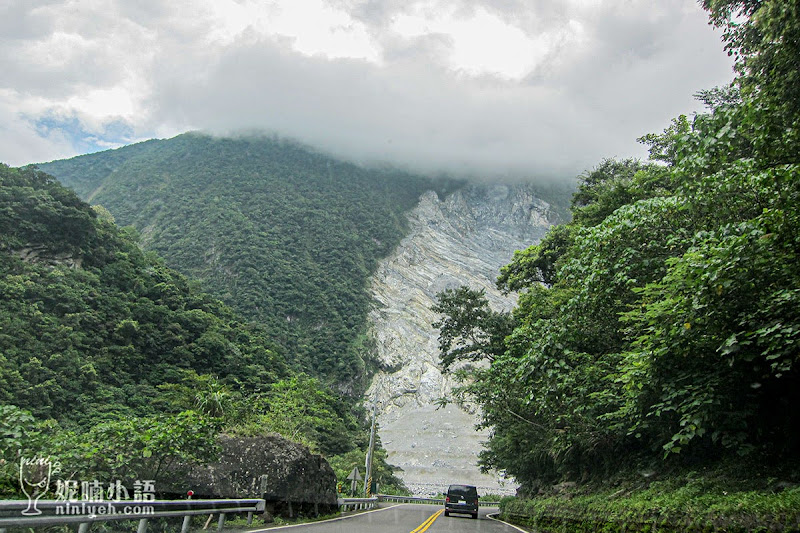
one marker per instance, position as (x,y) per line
(287,475)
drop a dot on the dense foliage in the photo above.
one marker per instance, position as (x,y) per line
(286,236)
(696,501)
(664,320)
(116,366)
(76,343)
(383,474)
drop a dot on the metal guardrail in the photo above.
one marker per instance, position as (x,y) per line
(357,503)
(409,499)
(84,513)
(416,499)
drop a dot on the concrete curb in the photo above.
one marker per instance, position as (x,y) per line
(493,516)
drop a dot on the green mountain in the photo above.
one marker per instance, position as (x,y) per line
(115,364)
(90,325)
(285,235)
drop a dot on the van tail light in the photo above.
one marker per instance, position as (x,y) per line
(476,502)
(447,499)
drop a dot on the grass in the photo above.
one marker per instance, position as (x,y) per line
(729,498)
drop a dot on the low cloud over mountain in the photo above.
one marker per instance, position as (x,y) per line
(482,87)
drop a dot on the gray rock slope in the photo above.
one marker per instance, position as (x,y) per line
(461,240)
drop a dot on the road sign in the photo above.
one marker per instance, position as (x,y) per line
(355,475)
(354,478)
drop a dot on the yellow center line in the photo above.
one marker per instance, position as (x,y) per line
(427,523)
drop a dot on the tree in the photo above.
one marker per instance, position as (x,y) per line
(382,472)
(663,320)
(763,36)
(536,264)
(139,448)
(303,410)
(470,330)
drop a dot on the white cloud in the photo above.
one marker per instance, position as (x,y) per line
(489,87)
(481,43)
(22,142)
(313,27)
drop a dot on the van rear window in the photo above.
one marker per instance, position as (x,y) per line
(463,491)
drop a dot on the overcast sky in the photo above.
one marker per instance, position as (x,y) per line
(530,87)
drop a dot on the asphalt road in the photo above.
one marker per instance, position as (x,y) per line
(404,518)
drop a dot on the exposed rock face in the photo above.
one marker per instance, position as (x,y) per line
(461,240)
(286,474)
(39,253)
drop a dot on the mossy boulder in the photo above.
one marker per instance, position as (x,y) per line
(287,475)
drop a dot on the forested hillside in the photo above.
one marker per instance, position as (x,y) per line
(114,364)
(661,327)
(91,324)
(286,236)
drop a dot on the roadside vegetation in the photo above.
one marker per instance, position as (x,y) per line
(659,330)
(692,500)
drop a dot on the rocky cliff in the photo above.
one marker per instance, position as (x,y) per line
(290,478)
(462,239)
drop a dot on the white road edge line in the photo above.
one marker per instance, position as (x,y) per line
(323,521)
(490,517)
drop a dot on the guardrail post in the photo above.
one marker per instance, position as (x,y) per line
(187,520)
(250,518)
(84,527)
(142,526)
(221,522)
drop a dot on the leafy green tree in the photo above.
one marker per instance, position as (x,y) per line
(19,437)
(470,329)
(663,320)
(538,263)
(382,472)
(762,35)
(302,410)
(139,448)
(200,392)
